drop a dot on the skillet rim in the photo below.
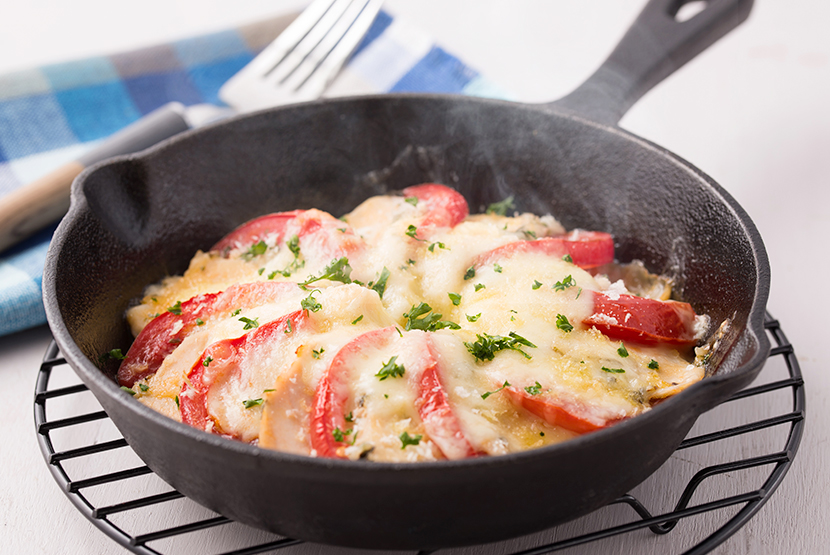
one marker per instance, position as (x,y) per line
(747,371)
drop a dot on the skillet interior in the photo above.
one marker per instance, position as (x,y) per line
(135,219)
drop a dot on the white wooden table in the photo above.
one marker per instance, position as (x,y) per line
(752,112)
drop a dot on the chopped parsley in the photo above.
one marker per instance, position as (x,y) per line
(200,322)
(317,353)
(501,208)
(235,312)
(257,249)
(564,284)
(310,303)
(470,273)
(486,346)
(614,370)
(407,439)
(176,308)
(429,322)
(534,389)
(455,298)
(358,319)
(563,324)
(380,284)
(622,351)
(473,318)
(349,417)
(529,233)
(337,270)
(174,341)
(293,245)
(654,365)
(391,370)
(249,323)
(497,268)
(116,354)
(260,270)
(412,200)
(479,287)
(127,389)
(488,393)
(177,402)
(143,387)
(567,258)
(340,435)
(410,261)
(207,361)
(441,245)
(288,327)
(412,231)
(250,403)
(578,293)
(536,284)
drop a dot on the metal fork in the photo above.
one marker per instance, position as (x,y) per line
(305,58)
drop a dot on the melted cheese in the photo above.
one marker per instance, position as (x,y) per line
(579,368)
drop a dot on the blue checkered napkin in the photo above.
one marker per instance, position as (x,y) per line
(53,114)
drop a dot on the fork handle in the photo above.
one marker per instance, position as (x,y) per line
(43,201)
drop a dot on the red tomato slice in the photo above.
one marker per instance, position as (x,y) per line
(322,236)
(328,409)
(444,207)
(588,249)
(162,335)
(441,424)
(255,230)
(641,320)
(235,360)
(440,421)
(570,415)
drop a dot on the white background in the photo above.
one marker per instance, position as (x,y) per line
(751,112)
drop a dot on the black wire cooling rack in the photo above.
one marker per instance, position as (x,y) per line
(111,487)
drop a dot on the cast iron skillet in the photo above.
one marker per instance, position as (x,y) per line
(135,219)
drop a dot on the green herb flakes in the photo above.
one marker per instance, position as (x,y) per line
(317,353)
(455,298)
(613,370)
(391,370)
(310,303)
(534,389)
(564,284)
(430,322)
(249,323)
(501,208)
(176,308)
(653,365)
(622,351)
(349,417)
(568,258)
(487,394)
(479,287)
(337,270)
(200,322)
(380,285)
(486,346)
(412,200)
(207,361)
(250,403)
(257,249)
(127,389)
(497,268)
(470,273)
(563,324)
(407,439)
(536,284)
(340,435)
(473,318)
(358,319)
(116,354)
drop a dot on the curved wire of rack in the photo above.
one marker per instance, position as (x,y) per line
(751,501)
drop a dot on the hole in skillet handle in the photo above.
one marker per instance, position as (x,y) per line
(686,10)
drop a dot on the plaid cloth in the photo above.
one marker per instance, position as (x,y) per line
(53,114)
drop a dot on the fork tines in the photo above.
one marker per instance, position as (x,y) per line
(304,59)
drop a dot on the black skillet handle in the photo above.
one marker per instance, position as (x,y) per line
(653,48)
